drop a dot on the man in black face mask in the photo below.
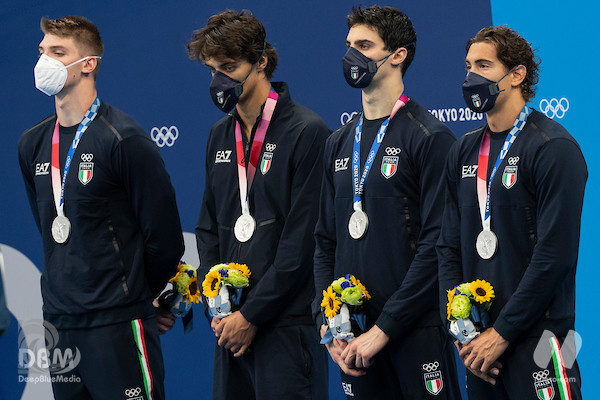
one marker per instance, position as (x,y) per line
(514,194)
(263,171)
(379,219)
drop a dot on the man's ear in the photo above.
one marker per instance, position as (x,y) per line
(89,65)
(262,63)
(518,75)
(399,56)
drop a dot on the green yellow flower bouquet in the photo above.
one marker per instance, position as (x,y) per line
(342,306)
(467,309)
(223,288)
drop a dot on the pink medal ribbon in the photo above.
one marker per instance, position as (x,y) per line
(245,224)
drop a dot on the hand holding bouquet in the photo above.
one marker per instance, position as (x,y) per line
(342,307)
(468,306)
(185,291)
(223,288)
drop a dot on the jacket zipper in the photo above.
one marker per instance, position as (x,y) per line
(118,252)
(409,231)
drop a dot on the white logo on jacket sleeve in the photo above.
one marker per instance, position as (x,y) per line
(86,168)
(341,164)
(469,171)
(223,156)
(42,168)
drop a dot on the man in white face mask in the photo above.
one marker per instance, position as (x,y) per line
(107,252)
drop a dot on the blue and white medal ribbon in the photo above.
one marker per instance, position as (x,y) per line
(357,226)
(487,242)
(61,226)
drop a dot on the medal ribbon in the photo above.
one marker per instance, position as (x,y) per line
(245,178)
(59,194)
(359,184)
(483,187)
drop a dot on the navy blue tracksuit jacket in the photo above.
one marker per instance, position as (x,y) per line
(283,200)
(535,217)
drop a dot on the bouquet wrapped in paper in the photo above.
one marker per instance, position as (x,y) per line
(185,291)
(342,308)
(468,306)
(224,286)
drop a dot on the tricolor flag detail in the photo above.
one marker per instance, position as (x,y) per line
(86,172)
(140,341)
(389,165)
(265,164)
(546,393)
(434,382)
(559,368)
(510,176)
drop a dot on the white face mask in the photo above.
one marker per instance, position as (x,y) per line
(51,75)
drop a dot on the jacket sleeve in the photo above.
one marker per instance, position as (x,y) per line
(449,243)
(207,234)
(418,293)
(152,197)
(325,239)
(560,174)
(29,184)
(291,271)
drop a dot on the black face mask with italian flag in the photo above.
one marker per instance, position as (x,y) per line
(480,93)
(225,91)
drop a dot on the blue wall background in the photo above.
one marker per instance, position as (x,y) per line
(566,37)
(146,73)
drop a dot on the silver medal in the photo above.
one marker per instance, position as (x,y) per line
(486,244)
(61,228)
(244,227)
(358,224)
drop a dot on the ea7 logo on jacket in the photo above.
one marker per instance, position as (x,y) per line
(223,156)
(469,171)
(86,168)
(42,168)
(341,164)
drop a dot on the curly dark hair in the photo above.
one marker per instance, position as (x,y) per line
(513,50)
(235,35)
(393,26)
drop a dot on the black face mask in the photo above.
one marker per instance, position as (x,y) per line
(481,93)
(359,69)
(225,91)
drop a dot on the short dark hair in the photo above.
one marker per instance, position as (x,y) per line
(235,35)
(512,50)
(83,31)
(393,26)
